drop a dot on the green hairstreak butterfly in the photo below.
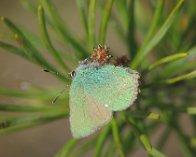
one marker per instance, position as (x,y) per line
(98,88)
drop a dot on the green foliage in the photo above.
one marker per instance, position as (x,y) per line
(164,56)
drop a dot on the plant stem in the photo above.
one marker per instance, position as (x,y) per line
(81,7)
(91,24)
(46,39)
(117,138)
(149,44)
(105,20)
(131,30)
(101,139)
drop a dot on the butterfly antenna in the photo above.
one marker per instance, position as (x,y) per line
(53,72)
(57,97)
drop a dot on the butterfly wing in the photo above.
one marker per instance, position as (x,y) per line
(86,114)
(113,86)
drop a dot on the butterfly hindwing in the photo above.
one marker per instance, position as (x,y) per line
(112,86)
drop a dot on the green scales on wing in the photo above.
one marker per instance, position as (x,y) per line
(95,92)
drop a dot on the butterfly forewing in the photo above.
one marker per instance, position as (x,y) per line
(86,114)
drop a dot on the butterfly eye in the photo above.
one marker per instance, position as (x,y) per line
(72,74)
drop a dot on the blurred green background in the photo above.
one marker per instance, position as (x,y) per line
(17,73)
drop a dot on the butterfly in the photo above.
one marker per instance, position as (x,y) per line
(98,89)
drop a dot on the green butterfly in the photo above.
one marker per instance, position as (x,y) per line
(96,91)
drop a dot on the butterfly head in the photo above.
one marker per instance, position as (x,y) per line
(99,57)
